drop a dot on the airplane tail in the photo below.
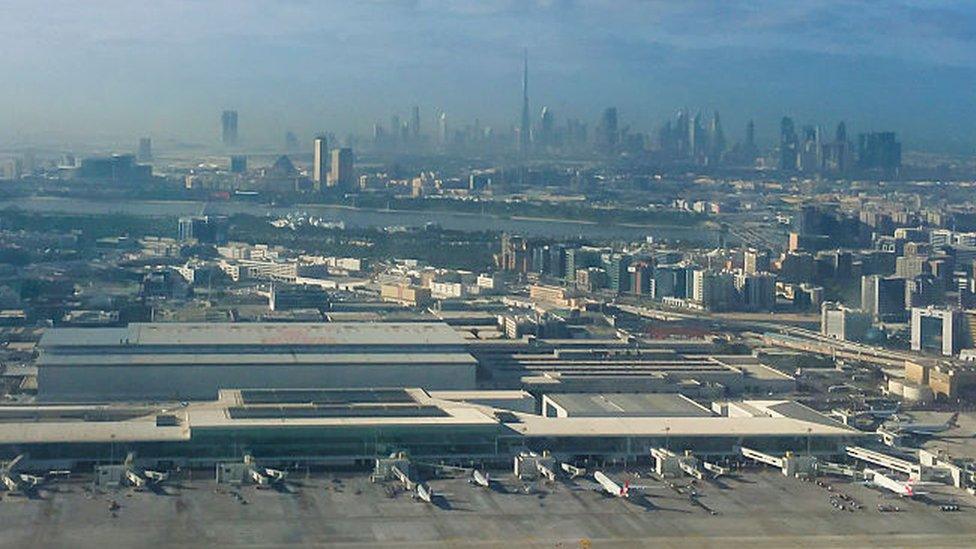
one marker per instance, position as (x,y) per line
(625,491)
(953,420)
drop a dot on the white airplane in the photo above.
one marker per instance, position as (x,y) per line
(905,489)
(141,478)
(611,487)
(481,479)
(23,483)
(920,429)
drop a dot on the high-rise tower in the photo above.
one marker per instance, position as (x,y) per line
(228,127)
(320,161)
(524,127)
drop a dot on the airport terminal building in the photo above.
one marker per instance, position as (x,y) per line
(192,361)
(356,426)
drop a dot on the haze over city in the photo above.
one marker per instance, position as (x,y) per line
(114,70)
(512,273)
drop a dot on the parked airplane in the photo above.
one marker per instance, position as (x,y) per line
(611,487)
(905,489)
(920,429)
(23,483)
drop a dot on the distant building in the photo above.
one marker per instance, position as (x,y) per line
(879,151)
(757,291)
(118,168)
(883,298)
(238,164)
(204,229)
(843,323)
(942,331)
(641,275)
(553,295)
(342,174)
(406,294)
(320,161)
(287,297)
(755,261)
(228,127)
(145,150)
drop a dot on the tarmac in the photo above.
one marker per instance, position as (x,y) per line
(757,508)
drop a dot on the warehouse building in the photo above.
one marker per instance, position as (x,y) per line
(192,361)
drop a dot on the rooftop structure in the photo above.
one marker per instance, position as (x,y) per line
(341,426)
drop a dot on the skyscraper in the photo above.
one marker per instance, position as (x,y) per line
(524,127)
(788,145)
(228,124)
(320,161)
(291,142)
(442,130)
(607,132)
(342,175)
(145,150)
(547,128)
(415,124)
(879,151)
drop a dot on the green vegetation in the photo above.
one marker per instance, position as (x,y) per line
(91,227)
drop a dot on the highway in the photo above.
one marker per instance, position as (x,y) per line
(797,338)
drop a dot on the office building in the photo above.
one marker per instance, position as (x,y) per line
(883,298)
(342,172)
(942,331)
(228,128)
(755,261)
(524,135)
(238,164)
(204,229)
(757,292)
(641,274)
(320,161)
(879,151)
(616,266)
(843,323)
(144,153)
(118,168)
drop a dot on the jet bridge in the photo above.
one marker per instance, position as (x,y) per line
(790,464)
(913,470)
(530,466)
(668,463)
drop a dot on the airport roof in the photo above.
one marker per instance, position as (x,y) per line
(380,408)
(628,404)
(248,359)
(256,333)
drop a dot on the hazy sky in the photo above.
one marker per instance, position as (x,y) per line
(117,69)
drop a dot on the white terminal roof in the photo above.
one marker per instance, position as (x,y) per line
(751,418)
(768,418)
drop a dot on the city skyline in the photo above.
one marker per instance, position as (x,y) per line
(778,60)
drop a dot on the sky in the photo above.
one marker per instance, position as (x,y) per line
(72,71)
